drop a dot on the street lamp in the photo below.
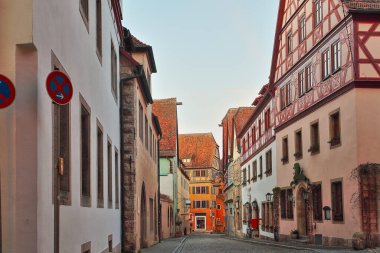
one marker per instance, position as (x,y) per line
(269,196)
(305,194)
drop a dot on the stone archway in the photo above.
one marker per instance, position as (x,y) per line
(143,218)
(302,211)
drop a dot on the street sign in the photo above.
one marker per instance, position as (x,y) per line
(59,87)
(7,92)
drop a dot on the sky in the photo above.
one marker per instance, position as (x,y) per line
(211,55)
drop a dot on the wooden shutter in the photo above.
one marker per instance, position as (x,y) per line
(283,204)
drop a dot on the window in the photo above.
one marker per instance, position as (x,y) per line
(285,150)
(116,179)
(314,138)
(302,28)
(99,28)
(150,142)
(337,201)
(113,71)
(334,129)
(85,157)
(308,77)
(282,98)
(141,122)
(288,96)
(204,173)
(317,202)
(336,56)
(301,83)
(109,160)
(267,119)
(200,190)
(326,71)
(249,173)
(254,135)
(86,247)
(318,15)
(146,133)
(110,245)
(213,204)
(260,125)
(289,43)
(83,9)
(286,204)
(200,204)
(100,168)
(218,207)
(151,214)
(298,145)
(268,163)
(244,176)
(261,167)
(254,167)
(61,133)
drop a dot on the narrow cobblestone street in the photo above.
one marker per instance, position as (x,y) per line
(209,243)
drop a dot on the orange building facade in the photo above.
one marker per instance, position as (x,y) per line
(200,154)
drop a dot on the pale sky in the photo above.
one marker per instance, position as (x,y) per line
(210,54)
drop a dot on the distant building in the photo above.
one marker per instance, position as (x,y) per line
(173,180)
(258,168)
(325,77)
(232,124)
(140,134)
(77,143)
(200,155)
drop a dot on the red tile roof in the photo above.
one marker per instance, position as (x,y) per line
(199,147)
(166,111)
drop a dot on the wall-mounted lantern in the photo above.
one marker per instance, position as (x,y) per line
(327,211)
(269,196)
(305,195)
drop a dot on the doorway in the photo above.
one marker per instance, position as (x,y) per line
(302,212)
(200,223)
(143,243)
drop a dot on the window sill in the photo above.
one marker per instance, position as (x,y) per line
(326,77)
(335,71)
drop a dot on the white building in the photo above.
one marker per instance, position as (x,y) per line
(258,161)
(82,39)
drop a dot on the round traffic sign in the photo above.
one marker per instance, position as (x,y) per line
(7,92)
(59,87)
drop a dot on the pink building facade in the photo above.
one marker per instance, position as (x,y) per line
(325,77)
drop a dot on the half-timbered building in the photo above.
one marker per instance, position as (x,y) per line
(258,167)
(324,77)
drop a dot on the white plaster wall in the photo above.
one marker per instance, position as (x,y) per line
(58,27)
(166,185)
(257,190)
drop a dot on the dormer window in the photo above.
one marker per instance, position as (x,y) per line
(186,160)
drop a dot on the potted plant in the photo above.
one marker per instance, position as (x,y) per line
(294,234)
(358,241)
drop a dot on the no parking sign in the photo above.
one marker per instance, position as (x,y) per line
(7,92)
(59,87)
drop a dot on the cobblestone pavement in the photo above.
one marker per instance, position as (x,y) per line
(211,243)
(165,246)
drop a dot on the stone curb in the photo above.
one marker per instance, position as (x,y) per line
(275,244)
(180,246)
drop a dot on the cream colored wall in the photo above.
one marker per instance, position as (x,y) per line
(368,125)
(329,164)
(165,223)
(183,195)
(146,171)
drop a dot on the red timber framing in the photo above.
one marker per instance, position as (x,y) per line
(253,139)
(290,13)
(367,50)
